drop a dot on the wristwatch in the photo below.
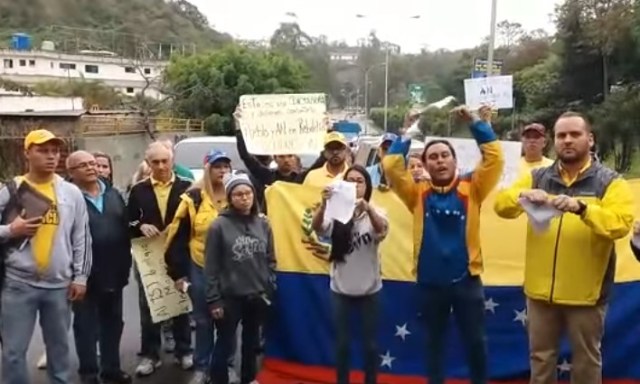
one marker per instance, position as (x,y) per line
(581,209)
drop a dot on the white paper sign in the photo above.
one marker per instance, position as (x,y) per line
(539,215)
(283,124)
(342,203)
(496,91)
(469,156)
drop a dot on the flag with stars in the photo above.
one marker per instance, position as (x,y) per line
(301,333)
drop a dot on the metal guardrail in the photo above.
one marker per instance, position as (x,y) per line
(99,125)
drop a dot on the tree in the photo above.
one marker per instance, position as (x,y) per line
(604,24)
(510,33)
(208,86)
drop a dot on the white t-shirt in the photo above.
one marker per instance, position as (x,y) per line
(360,274)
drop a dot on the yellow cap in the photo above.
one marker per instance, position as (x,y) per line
(335,137)
(40,136)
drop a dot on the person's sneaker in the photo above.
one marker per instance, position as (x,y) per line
(233,376)
(185,362)
(42,362)
(199,377)
(115,378)
(89,379)
(147,366)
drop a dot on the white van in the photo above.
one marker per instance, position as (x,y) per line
(190,153)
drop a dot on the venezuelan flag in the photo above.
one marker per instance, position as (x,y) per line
(300,334)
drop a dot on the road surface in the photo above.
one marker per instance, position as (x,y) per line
(168,373)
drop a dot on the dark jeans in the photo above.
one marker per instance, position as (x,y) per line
(98,318)
(251,311)
(151,334)
(466,297)
(367,307)
(204,333)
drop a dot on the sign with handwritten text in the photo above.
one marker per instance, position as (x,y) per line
(496,91)
(165,301)
(283,124)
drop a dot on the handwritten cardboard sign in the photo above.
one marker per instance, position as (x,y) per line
(283,124)
(496,91)
(165,301)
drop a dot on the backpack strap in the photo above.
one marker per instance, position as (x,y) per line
(13,202)
(195,195)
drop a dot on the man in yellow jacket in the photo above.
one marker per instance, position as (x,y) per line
(570,266)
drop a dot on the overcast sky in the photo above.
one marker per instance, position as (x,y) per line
(450,24)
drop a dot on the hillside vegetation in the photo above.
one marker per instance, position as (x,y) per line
(120,26)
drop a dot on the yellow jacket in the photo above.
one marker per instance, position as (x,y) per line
(463,198)
(573,262)
(187,233)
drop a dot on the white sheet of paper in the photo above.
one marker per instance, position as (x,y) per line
(636,240)
(342,202)
(539,215)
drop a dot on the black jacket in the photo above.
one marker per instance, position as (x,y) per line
(143,205)
(111,244)
(263,176)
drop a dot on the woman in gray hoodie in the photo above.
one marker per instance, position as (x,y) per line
(240,273)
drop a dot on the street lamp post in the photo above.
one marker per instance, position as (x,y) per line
(366,94)
(492,37)
(386,76)
(386,88)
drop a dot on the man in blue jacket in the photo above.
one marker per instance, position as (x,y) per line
(99,316)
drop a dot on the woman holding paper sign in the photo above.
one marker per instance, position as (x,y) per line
(355,270)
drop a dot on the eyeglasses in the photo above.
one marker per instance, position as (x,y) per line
(240,195)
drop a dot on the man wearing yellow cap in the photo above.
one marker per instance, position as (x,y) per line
(47,254)
(336,151)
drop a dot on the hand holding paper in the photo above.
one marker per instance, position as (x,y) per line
(540,215)
(342,202)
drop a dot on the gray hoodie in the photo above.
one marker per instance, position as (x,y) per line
(71,255)
(239,257)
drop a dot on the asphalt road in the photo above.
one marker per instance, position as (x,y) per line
(168,373)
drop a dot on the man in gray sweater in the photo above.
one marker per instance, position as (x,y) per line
(46,248)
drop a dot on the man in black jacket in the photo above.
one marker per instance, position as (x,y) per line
(152,205)
(98,318)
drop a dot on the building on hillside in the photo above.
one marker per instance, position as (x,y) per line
(23,65)
(17,102)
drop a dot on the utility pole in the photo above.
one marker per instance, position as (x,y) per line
(492,37)
(386,88)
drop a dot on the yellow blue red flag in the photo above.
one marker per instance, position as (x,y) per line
(301,334)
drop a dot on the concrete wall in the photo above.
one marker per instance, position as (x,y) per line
(9,103)
(127,152)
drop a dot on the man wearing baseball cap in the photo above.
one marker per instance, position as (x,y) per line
(336,151)
(47,254)
(534,141)
(375,171)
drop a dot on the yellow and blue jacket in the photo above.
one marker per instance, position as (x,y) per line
(447,219)
(187,233)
